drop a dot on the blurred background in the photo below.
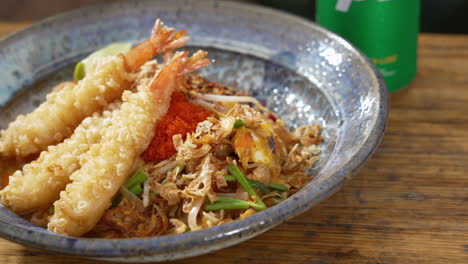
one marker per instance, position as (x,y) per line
(438,16)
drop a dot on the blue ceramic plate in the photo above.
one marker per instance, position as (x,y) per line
(303,72)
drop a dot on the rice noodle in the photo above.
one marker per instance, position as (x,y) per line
(153,169)
(210,106)
(162,163)
(193,214)
(229,195)
(227,98)
(168,167)
(146,194)
(242,196)
(132,197)
(231,98)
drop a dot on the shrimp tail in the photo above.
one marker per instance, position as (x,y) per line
(163,39)
(195,62)
(179,64)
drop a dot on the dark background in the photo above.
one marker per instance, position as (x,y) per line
(438,16)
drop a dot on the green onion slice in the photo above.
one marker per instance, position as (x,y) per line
(138,178)
(236,172)
(234,200)
(229,178)
(262,187)
(239,123)
(226,206)
(136,189)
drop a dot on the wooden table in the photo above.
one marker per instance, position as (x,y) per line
(409,204)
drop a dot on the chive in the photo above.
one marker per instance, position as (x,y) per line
(262,187)
(138,178)
(136,189)
(234,200)
(226,206)
(239,123)
(235,171)
(52,210)
(278,187)
(229,178)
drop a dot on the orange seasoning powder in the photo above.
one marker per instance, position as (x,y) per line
(181,118)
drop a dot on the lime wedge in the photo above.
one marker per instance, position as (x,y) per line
(110,50)
(79,72)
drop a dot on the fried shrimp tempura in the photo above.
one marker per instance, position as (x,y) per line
(47,176)
(64,109)
(39,183)
(109,162)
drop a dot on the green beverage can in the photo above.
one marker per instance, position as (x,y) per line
(385,30)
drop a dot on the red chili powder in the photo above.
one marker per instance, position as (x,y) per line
(181,118)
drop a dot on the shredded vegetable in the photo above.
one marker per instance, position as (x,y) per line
(138,178)
(239,123)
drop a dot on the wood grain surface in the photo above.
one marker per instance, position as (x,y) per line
(408,204)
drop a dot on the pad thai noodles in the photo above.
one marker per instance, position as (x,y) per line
(152,149)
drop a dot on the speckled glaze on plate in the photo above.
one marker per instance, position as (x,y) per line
(303,72)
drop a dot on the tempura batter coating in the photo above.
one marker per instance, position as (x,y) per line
(63,111)
(107,166)
(40,182)
(109,162)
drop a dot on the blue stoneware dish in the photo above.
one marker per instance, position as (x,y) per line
(301,71)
